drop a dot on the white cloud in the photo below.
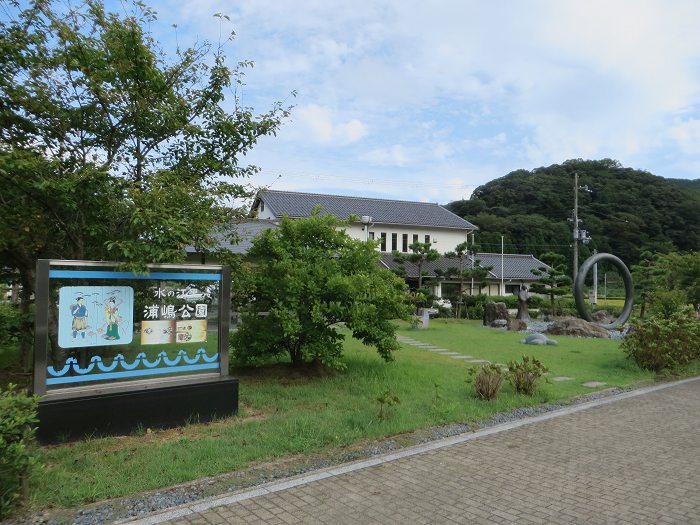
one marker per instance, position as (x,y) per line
(320,123)
(396,155)
(471,86)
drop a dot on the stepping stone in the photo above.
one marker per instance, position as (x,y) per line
(477,361)
(562,378)
(437,350)
(448,353)
(461,356)
(593,384)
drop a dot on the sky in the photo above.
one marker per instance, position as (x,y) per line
(425,101)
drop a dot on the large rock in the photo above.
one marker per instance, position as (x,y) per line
(495,311)
(538,339)
(516,325)
(578,328)
(603,317)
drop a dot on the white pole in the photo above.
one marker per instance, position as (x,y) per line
(503,289)
(595,280)
(471,289)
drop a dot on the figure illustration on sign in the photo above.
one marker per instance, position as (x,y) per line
(112,318)
(80,315)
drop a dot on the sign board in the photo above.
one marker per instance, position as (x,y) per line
(100,329)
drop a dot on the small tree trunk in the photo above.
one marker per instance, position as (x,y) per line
(296,356)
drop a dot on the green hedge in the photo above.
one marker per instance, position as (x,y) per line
(664,343)
(17,457)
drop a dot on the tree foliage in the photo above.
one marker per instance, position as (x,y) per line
(468,269)
(110,148)
(553,280)
(626,212)
(308,276)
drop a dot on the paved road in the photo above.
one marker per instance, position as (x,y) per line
(634,460)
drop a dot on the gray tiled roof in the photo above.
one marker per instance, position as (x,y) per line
(245,232)
(382,211)
(515,266)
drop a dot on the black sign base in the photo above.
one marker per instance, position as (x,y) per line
(120,413)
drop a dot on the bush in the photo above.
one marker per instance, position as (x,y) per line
(17,428)
(487,380)
(666,303)
(10,323)
(524,375)
(661,343)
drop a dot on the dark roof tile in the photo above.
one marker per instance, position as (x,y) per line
(382,211)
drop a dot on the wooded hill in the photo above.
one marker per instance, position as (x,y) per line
(625,211)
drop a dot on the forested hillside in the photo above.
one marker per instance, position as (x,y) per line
(624,210)
(693,184)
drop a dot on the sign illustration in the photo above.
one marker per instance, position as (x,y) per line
(95,316)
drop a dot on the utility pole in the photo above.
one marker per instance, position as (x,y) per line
(579,235)
(575,225)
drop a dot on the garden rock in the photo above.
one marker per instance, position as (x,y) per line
(494,312)
(538,339)
(516,325)
(603,317)
(578,328)
(499,323)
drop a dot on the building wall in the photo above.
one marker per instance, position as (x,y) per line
(443,240)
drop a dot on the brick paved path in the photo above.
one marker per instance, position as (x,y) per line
(635,460)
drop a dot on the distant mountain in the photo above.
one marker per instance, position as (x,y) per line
(624,210)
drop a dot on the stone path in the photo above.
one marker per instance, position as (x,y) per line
(632,458)
(470,359)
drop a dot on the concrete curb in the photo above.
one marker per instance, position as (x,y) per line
(276,486)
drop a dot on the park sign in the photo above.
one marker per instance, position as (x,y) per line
(115,349)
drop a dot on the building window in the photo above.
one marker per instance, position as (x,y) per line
(404,243)
(415,238)
(262,206)
(427,239)
(394,241)
(371,236)
(382,236)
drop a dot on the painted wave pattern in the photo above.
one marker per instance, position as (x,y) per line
(162,361)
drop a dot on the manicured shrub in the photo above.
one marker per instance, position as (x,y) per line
(663,343)
(523,375)
(487,380)
(17,428)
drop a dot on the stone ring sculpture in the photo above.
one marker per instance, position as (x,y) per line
(626,277)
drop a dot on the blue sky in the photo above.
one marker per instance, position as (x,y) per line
(425,100)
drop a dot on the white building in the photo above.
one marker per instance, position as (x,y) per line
(395,224)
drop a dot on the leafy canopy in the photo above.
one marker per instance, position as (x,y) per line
(308,275)
(110,148)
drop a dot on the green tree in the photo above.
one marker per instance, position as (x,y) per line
(553,280)
(647,276)
(468,270)
(110,148)
(682,272)
(421,253)
(308,276)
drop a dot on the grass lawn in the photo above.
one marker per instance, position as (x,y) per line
(286,413)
